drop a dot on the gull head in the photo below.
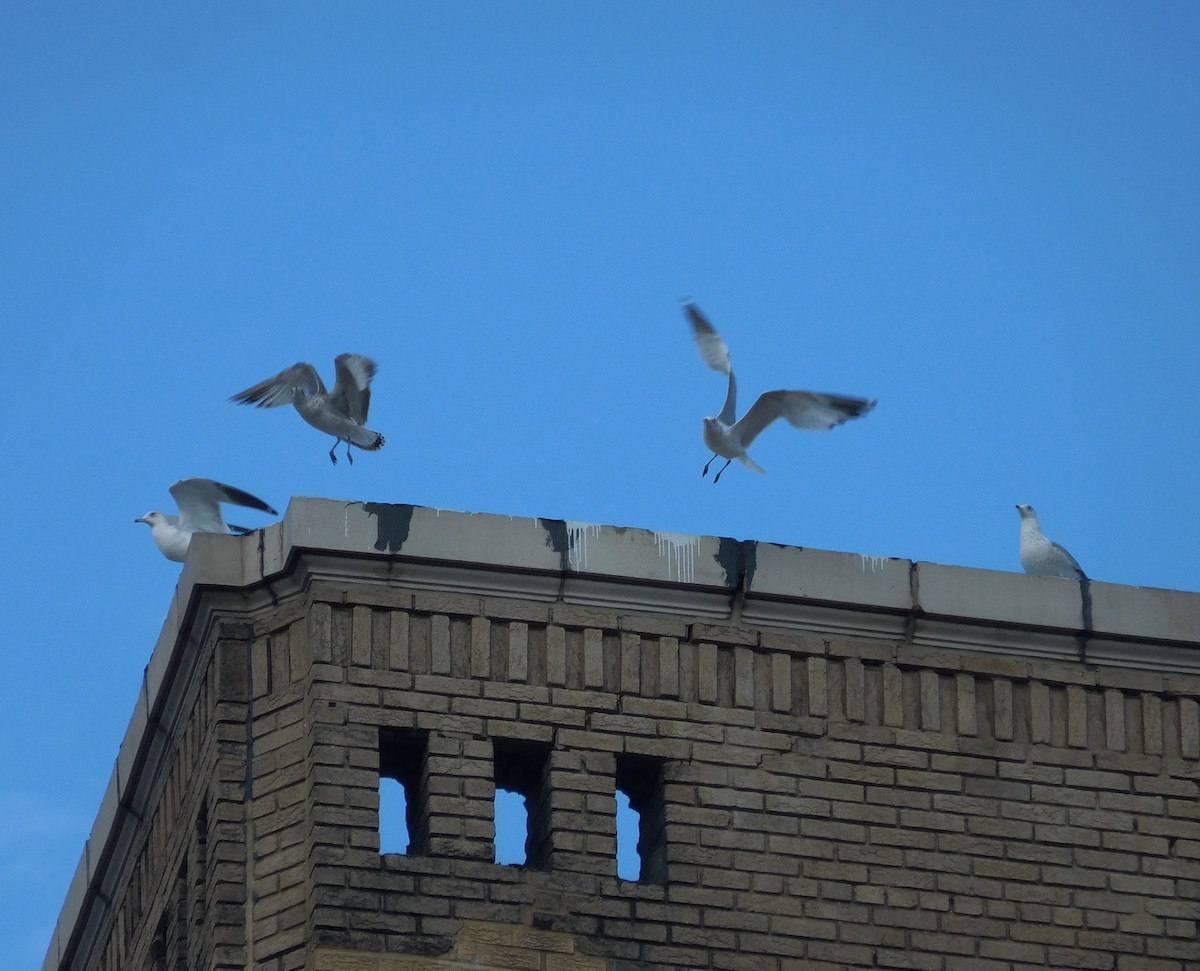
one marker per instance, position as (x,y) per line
(1026,511)
(717,437)
(152,519)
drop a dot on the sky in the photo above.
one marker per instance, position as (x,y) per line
(985,215)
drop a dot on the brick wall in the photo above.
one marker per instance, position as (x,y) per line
(828,803)
(825,803)
(179,902)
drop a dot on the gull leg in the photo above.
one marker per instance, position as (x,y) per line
(332,457)
(707,464)
(717,477)
(348,455)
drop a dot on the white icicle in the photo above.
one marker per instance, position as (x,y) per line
(577,537)
(680,550)
(876,563)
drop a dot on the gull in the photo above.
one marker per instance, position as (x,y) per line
(199,502)
(729,437)
(1041,556)
(341,412)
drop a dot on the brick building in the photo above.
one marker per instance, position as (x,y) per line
(837,761)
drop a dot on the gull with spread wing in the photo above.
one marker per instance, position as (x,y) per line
(341,412)
(729,437)
(199,502)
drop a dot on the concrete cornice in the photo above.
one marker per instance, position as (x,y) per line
(761,584)
(915,606)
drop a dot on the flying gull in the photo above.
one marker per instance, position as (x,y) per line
(1041,556)
(199,502)
(729,437)
(341,412)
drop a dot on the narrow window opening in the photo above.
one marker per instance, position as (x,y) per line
(393,817)
(403,819)
(512,827)
(640,782)
(629,864)
(522,804)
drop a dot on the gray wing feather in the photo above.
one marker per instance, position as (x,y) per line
(729,412)
(811,410)
(351,392)
(1068,563)
(280,389)
(709,343)
(199,502)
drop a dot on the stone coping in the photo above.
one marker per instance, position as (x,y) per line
(918,605)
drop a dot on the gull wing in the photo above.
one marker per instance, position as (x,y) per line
(709,343)
(199,502)
(1065,565)
(715,353)
(812,410)
(280,389)
(728,413)
(351,394)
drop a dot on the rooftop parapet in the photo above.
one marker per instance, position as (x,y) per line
(1136,635)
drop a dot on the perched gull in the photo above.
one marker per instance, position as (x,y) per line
(1041,556)
(341,412)
(199,502)
(729,437)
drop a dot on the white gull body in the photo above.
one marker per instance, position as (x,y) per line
(199,502)
(341,412)
(1041,556)
(730,437)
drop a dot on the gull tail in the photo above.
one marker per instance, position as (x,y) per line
(747,461)
(366,439)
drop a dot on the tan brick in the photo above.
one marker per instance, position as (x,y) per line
(1152,727)
(360,640)
(893,696)
(706,673)
(439,643)
(556,656)
(1189,728)
(593,658)
(743,677)
(818,686)
(518,651)
(968,718)
(1077,717)
(855,682)
(931,701)
(631,662)
(1039,712)
(481,647)
(1002,709)
(781,682)
(1114,719)
(398,640)
(668,667)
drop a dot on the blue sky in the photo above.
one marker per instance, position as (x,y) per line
(986,215)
